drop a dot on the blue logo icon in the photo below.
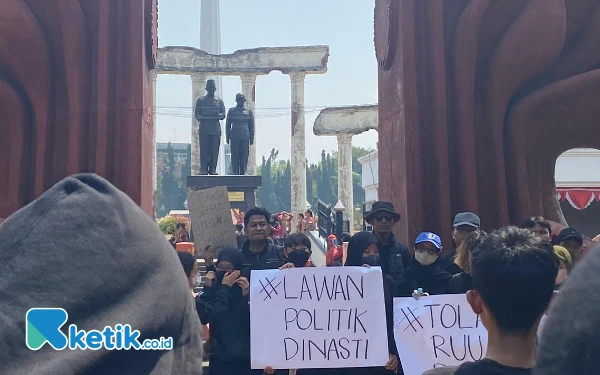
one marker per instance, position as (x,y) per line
(43,326)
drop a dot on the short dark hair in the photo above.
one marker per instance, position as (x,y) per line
(345,237)
(297,239)
(532,221)
(257,211)
(187,261)
(309,211)
(514,271)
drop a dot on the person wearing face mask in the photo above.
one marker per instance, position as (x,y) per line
(224,306)
(363,250)
(424,271)
(297,250)
(190,267)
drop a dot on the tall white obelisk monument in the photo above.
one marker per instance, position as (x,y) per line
(210,41)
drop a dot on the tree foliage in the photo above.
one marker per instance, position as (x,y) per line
(321,180)
(172,187)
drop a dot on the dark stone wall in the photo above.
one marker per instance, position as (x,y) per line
(477,99)
(76,95)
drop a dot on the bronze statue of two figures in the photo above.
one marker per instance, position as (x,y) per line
(239,131)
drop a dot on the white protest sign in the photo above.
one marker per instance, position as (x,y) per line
(210,215)
(437,331)
(318,317)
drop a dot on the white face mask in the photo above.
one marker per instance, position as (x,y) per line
(196,281)
(425,258)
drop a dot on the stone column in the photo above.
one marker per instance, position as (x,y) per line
(198,91)
(298,157)
(154,174)
(249,91)
(345,186)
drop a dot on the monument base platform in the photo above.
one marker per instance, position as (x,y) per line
(242,189)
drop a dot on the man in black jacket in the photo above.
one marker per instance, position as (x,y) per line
(464,223)
(257,252)
(393,256)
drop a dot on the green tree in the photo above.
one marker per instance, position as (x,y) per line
(321,180)
(185,170)
(169,195)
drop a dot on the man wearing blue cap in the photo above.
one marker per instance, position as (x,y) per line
(464,223)
(424,271)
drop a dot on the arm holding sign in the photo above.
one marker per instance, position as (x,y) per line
(389,291)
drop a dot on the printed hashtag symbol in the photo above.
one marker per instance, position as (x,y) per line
(410,318)
(272,288)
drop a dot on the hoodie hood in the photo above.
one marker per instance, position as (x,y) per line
(232,255)
(357,246)
(87,248)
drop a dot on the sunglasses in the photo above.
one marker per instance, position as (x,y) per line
(382,217)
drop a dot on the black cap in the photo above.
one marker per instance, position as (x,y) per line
(467,218)
(570,234)
(382,206)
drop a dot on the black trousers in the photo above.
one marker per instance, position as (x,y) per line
(239,156)
(209,153)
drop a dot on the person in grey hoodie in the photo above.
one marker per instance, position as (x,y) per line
(85,247)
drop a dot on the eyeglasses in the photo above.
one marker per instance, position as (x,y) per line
(382,217)
(224,269)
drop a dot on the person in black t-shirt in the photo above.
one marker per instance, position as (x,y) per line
(513,274)
(394,257)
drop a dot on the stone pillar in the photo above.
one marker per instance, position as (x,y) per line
(198,91)
(154,174)
(298,157)
(345,186)
(249,91)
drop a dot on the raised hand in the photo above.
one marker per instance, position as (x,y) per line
(231,278)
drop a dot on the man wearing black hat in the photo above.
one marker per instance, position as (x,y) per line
(394,257)
(464,223)
(572,240)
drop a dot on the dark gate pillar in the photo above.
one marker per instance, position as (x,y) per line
(477,99)
(76,96)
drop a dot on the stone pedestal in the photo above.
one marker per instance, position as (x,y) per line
(242,189)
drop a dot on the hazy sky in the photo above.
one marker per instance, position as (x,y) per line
(351,79)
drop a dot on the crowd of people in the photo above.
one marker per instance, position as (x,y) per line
(112,265)
(508,276)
